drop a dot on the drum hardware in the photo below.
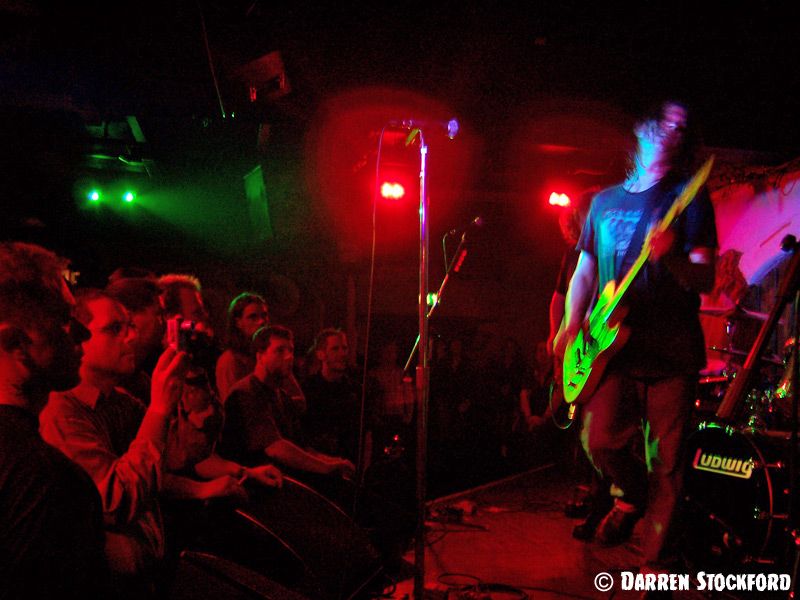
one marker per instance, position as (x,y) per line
(737,313)
(773,360)
(741,473)
(763,515)
(762,414)
(783,389)
(709,394)
(715,379)
(729,538)
(735,486)
(794,547)
(776,465)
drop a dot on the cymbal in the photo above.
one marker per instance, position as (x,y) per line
(714,311)
(773,360)
(737,313)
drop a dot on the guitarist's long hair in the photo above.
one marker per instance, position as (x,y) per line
(683,161)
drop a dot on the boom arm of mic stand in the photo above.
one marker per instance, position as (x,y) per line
(439,293)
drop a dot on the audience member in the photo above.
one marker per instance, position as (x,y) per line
(195,470)
(181,296)
(140,297)
(117,440)
(51,527)
(182,299)
(131,273)
(247,313)
(396,395)
(513,381)
(262,423)
(333,419)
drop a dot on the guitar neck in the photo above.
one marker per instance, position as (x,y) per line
(623,286)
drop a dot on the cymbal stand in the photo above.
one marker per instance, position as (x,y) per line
(730,329)
(791,285)
(795,378)
(729,409)
(793,538)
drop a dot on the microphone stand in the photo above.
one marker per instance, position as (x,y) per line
(423,379)
(423,374)
(423,386)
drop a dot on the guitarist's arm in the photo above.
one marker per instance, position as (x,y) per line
(694,271)
(556,318)
(580,294)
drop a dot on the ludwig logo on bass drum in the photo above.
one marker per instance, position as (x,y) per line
(716,463)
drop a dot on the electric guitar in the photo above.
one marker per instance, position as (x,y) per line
(604,334)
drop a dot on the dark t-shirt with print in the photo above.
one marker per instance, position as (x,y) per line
(666,338)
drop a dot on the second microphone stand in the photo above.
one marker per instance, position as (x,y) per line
(452,267)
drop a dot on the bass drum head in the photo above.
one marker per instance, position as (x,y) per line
(730,493)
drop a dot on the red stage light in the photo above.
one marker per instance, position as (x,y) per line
(558,199)
(391,190)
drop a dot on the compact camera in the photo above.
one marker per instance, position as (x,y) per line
(184,336)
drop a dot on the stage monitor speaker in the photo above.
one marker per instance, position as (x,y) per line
(300,538)
(203,576)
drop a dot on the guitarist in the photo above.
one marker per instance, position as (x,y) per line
(649,385)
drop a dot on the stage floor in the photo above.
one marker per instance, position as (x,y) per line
(520,538)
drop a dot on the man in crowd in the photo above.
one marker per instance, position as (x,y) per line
(262,423)
(51,528)
(117,440)
(247,313)
(140,297)
(181,297)
(332,423)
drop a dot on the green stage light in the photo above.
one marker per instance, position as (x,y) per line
(94,195)
(128,196)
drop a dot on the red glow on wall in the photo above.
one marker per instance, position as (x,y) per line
(392,190)
(559,199)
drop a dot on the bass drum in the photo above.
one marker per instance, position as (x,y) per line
(736,497)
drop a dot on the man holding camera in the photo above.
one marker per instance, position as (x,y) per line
(117,440)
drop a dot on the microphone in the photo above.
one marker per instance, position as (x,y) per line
(461,251)
(476,223)
(450,127)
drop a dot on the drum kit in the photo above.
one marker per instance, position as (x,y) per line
(766,402)
(741,471)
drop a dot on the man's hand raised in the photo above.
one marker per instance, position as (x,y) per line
(167,383)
